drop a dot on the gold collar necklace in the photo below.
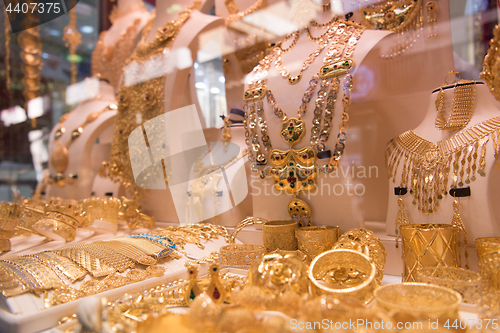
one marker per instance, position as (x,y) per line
(427,165)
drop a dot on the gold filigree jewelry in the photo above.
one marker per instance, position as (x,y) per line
(401,16)
(432,28)
(279,272)
(192,289)
(401,219)
(464,281)
(32,212)
(215,290)
(143,100)
(491,65)
(102,209)
(240,255)
(459,224)
(136,275)
(294,170)
(61,219)
(317,239)
(462,109)
(155,271)
(488,252)
(108,61)
(280,235)
(344,273)
(130,252)
(72,38)
(59,158)
(62,266)
(43,277)
(427,165)
(130,211)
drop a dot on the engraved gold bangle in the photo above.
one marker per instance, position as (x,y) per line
(240,255)
(315,240)
(344,273)
(4,245)
(245,223)
(280,235)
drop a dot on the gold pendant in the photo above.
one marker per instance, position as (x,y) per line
(294,170)
(300,211)
(192,289)
(255,93)
(60,158)
(335,68)
(215,289)
(294,79)
(292,130)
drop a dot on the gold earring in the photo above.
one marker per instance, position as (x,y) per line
(193,289)
(215,289)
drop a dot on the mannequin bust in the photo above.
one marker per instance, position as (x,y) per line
(478,211)
(117,44)
(334,201)
(177,90)
(80,163)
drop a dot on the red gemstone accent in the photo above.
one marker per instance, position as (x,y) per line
(277,158)
(291,124)
(191,272)
(294,179)
(289,179)
(307,172)
(335,67)
(290,132)
(304,156)
(216,293)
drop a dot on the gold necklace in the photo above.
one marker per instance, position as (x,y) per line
(107,62)
(462,109)
(490,73)
(236,15)
(145,99)
(59,158)
(427,165)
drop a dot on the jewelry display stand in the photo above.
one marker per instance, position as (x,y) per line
(80,151)
(480,210)
(117,43)
(327,208)
(191,37)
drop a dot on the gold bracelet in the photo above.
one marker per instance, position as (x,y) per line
(62,266)
(240,255)
(343,273)
(13,282)
(130,252)
(64,294)
(115,281)
(101,209)
(45,278)
(144,245)
(245,223)
(9,215)
(280,235)
(315,240)
(92,287)
(136,275)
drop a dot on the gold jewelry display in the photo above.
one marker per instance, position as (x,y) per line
(108,61)
(463,281)
(72,38)
(401,219)
(488,307)
(215,290)
(488,252)
(404,17)
(130,212)
(33,211)
(428,245)
(192,288)
(280,235)
(419,299)
(240,255)
(462,109)
(316,240)
(236,15)
(130,252)
(61,219)
(279,272)
(246,222)
(101,209)
(42,277)
(458,223)
(427,165)
(491,65)
(145,99)
(59,159)
(343,273)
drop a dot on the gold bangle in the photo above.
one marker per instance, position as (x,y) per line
(245,223)
(418,299)
(9,215)
(102,209)
(13,282)
(468,283)
(44,276)
(240,255)
(488,250)
(4,245)
(343,273)
(155,271)
(315,240)
(136,275)
(366,242)
(130,252)
(280,235)
(33,211)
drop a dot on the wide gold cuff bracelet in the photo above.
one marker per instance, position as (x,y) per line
(466,282)
(315,240)
(240,255)
(280,235)
(343,273)
(419,299)
(488,252)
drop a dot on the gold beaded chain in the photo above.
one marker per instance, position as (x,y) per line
(236,15)
(427,165)
(462,109)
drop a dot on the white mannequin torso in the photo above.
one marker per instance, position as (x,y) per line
(478,211)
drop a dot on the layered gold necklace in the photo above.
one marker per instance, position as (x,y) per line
(143,100)
(427,165)
(295,170)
